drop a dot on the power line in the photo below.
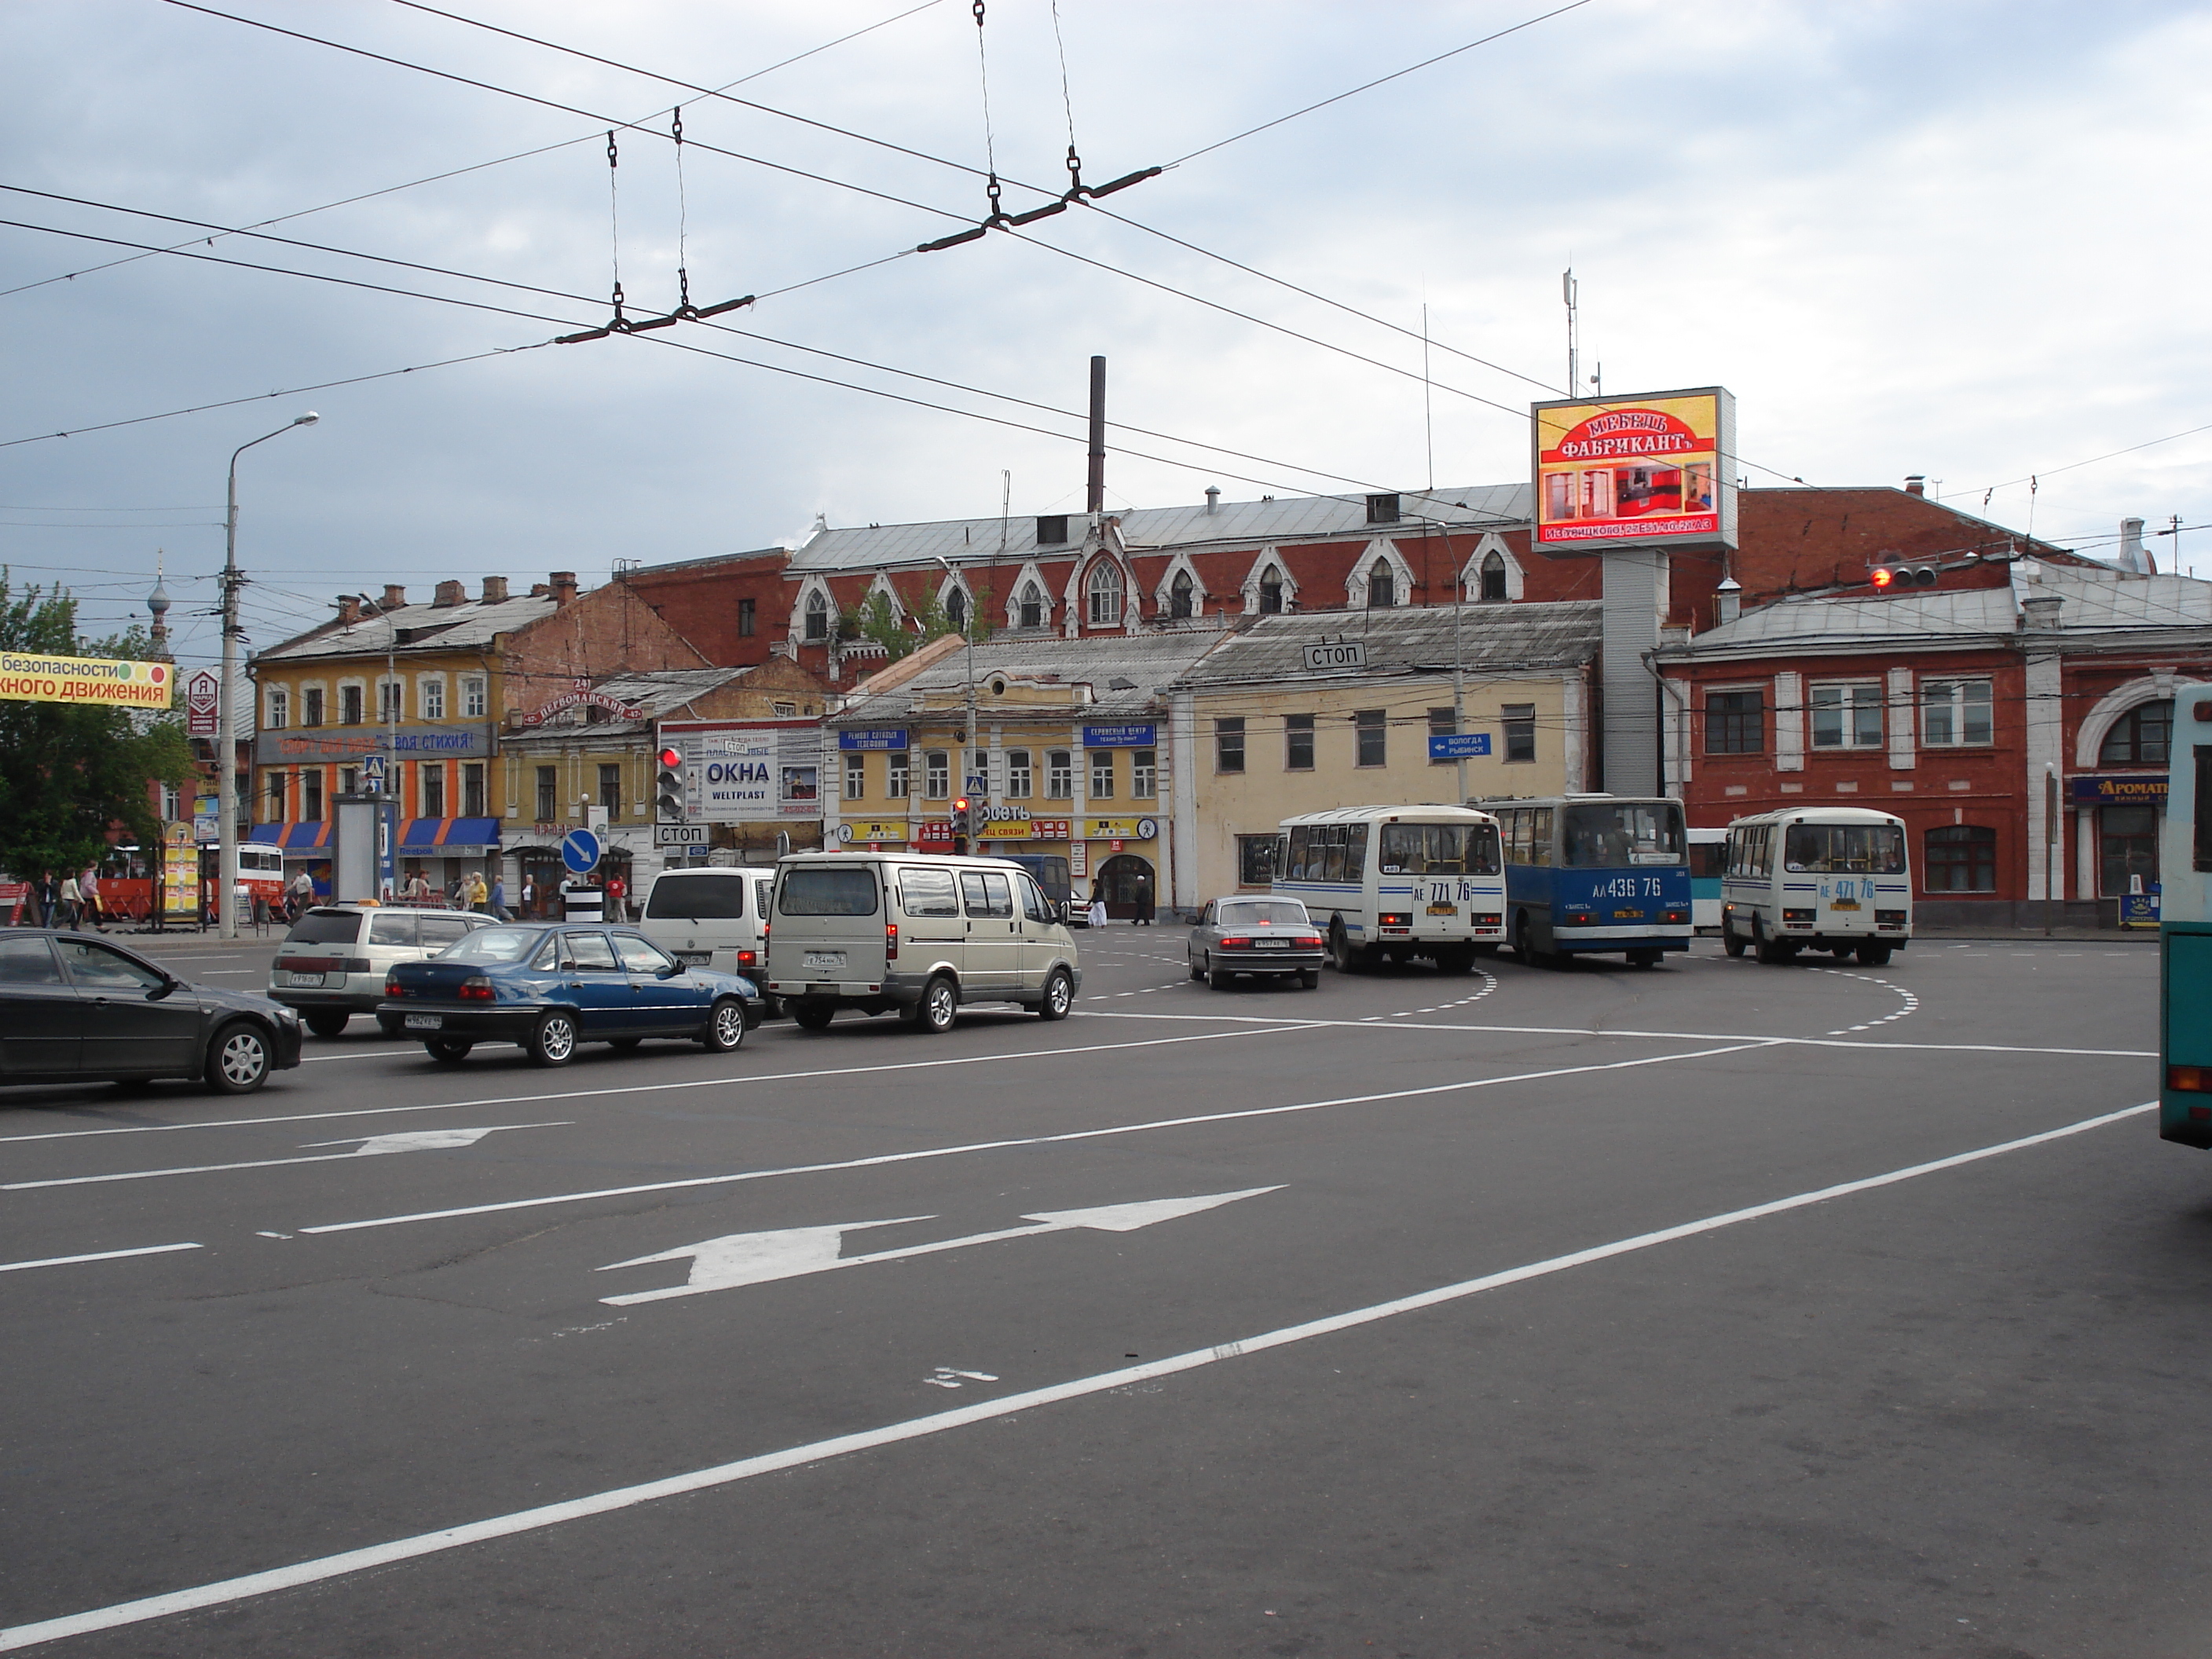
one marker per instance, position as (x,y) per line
(2049,471)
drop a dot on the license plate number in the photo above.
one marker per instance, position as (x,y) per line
(696,958)
(426,1022)
(1628,915)
(827,959)
(1271,945)
(305,979)
(1845,904)
(1443,909)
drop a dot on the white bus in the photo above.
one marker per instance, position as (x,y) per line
(1397,882)
(1817,878)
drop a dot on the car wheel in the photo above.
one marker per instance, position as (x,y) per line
(447,1051)
(1873,956)
(726,1027)
(1731,941)
(1218,978)
(813,1015)
(327,1022)
(1311,978)
(1059,996)
(626,1045)
(238,1059)
(939,1003)
(554,1040)
(1197,972)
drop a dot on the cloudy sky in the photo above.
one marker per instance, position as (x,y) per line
(1964,240)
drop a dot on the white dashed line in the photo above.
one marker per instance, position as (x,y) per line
(1912,1002)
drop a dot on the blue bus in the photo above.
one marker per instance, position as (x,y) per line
(2184,927)
(1586,873)
(1708,860)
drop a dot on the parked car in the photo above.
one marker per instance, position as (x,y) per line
(917,932)
(77,1009)
(1266,938)
(332,964)
(711,917)
(552,987)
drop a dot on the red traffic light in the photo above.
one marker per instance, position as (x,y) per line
(1881,575)
(960,804)
(672,757)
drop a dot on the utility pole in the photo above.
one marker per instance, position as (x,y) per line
(388,860)
(226,788)
(1095,491)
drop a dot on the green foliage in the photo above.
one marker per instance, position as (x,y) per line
(70,773)
(876,622)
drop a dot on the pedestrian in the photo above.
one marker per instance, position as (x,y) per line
(47,895)
(479,895)
(300,895)
(419,887)
(529,896)
(499,898)
(71,902)
(618,890)
(88,887)
(1140,895)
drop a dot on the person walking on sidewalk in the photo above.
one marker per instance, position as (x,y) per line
(1140,895)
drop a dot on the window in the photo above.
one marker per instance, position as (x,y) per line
(434,790)
(1143,774)
(1845,849)
(956,608)
(1018,775)
(745,619)
(1102,775)
(388,696)
(1059,775)
(1439,849)
(1519,720)
(393,928)
(1051,529)
(1491,582)
(1617,836)
(1104,592)
(310,795)
(1298,743)
(279,702)
(611,788)
(474,704)
(1442,723)
(987,893)
(834,890)
(173,803)
(2127,845)
(697,898)
(927,893)
(1034,905)
(1179,595)
(1255,859)
(1962,858)
(1271,591)
(1954,712)
(898,784)
(310,706)
(348,781)
(1382,586)
(28,962)
(2141,736)
(1735,722)
(818,617)
(856,777)
(1373,729)
(1383,508)
(434,699)
(472,789)
(274,782)
(549,794)
(97,967)
(1847,716)
(591,953)
(1229,746)
(1032,605)
(349,705)
(936,774)
(640,955)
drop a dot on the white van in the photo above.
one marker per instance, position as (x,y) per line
(922,934)
(710,917)
(1833,878)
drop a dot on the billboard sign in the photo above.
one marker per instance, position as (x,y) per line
(747,771)
(1649,471)
(202,705)
(28,677)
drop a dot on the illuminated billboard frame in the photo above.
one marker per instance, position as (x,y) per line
(1651,470)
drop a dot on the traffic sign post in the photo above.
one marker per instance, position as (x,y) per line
(580,852)
(1460,745)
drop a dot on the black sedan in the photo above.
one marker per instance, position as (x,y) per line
(77,1009)
(552,988)
(1267,938)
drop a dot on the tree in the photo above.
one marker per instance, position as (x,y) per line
(70,772)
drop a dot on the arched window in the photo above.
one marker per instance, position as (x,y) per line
(1492,578)
(1104,588)
(956,607)
(1382,586)
(2141,736)
(1032,605)
(1271,591)
(817,616)
(1179,592)
(1962,858)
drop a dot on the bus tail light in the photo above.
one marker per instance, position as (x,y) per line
(475,988)
(1673,916)
(890,941)
(2189,1079)
(1490,921)
(1889,918)
(1394,918)
(1796,918)
(1581,918)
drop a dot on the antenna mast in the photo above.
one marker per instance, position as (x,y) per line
(1568,292)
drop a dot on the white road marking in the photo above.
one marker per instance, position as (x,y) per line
(97,1255)
(880,1159)
(946,1378)
(249,1585)
(1912,1002)
(738,1259)
(420,1140)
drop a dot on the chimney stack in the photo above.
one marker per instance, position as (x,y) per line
(494,590)
(1095,492)
(349,607)
(2135,558)
(1916,484)
(563,583)
(1212,499)
(449,594)
(1728,602)
(394,596)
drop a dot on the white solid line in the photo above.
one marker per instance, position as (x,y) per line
(722,1474)
(967,1148)
(97,1255)
(256,1163)
(645,1088)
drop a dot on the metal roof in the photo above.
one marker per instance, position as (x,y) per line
(435,628)
(1148,661)
(1408,639)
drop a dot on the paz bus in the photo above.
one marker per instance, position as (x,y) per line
(1395,882)
(2184,927)
(1832,879)
(1594,873)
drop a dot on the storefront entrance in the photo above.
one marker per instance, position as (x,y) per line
(1117,885)
(2127,846)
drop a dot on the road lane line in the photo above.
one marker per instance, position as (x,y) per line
(1285,1024)
(97,1255)
(371,1146)
(250,1585)
(967,1148)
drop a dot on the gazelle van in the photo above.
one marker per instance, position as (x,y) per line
(915,932)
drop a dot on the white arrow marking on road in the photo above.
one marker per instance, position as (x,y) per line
(414,1140)
(722,1264)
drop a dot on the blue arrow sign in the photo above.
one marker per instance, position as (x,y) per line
(1462,745)
(579,851)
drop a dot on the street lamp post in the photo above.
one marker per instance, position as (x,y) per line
(389,786)
(226,724)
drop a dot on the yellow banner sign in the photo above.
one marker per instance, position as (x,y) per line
(866,830)
(1007,830)
(26,678)
(1120,828)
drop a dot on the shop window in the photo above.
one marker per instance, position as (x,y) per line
(1298,743)
(1735,722)
(2141,736)
(1373,728)
(936,774)
(1954,712)
(2127,846)
(1961,857)
(1255,859)
(1847,716)
(1143,774)
(1229,745)
(1519,722)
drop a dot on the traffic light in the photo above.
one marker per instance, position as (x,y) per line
(668,787)
(960,823)
(1887,576)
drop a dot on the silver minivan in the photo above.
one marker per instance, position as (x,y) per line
(916,933)
(712,916)
(332,962)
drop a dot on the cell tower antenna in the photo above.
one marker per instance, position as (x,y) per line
(1570,291)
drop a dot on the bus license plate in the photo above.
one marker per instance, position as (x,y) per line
(1845,904)
(306,979)
(1628,915)
(426,1022)
(1443,909)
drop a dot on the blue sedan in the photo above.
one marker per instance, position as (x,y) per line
(551,987)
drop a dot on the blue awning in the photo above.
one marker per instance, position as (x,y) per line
(452,838)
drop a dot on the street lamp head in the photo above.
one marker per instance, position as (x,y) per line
(307,419)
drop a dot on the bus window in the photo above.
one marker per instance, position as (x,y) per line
(1706,859)
(1439,849)
(1355,851)
(1613,834)
(1841,849)
(1539,836)
(1332,857)
(2202,858)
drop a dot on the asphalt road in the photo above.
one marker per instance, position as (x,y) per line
(1717,1309)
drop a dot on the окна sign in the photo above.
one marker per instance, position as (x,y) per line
(86,679)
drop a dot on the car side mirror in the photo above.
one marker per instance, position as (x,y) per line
(1064,909)
(669,970)
(163,989)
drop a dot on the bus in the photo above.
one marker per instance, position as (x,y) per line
(1817,878)
(1391,883)
(1708,858)
(2184,927)
(261,873)
(1592,872)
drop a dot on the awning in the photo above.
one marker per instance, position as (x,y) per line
(308,835)
(448,837)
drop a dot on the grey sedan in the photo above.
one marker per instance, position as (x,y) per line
(1266,938)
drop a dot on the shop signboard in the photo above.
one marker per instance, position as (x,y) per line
(202,705)
(1139,736)
(2141,909)
(876,738)
(1651,470)
(876,831)
(1120,828)
(2120,789)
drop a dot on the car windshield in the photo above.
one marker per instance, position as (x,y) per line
(697,898)
(1265,913)
(1615,833)
(495,945)
(1839,849)
(325,927)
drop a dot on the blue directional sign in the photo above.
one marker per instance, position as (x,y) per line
(1463,745)
(579,851)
